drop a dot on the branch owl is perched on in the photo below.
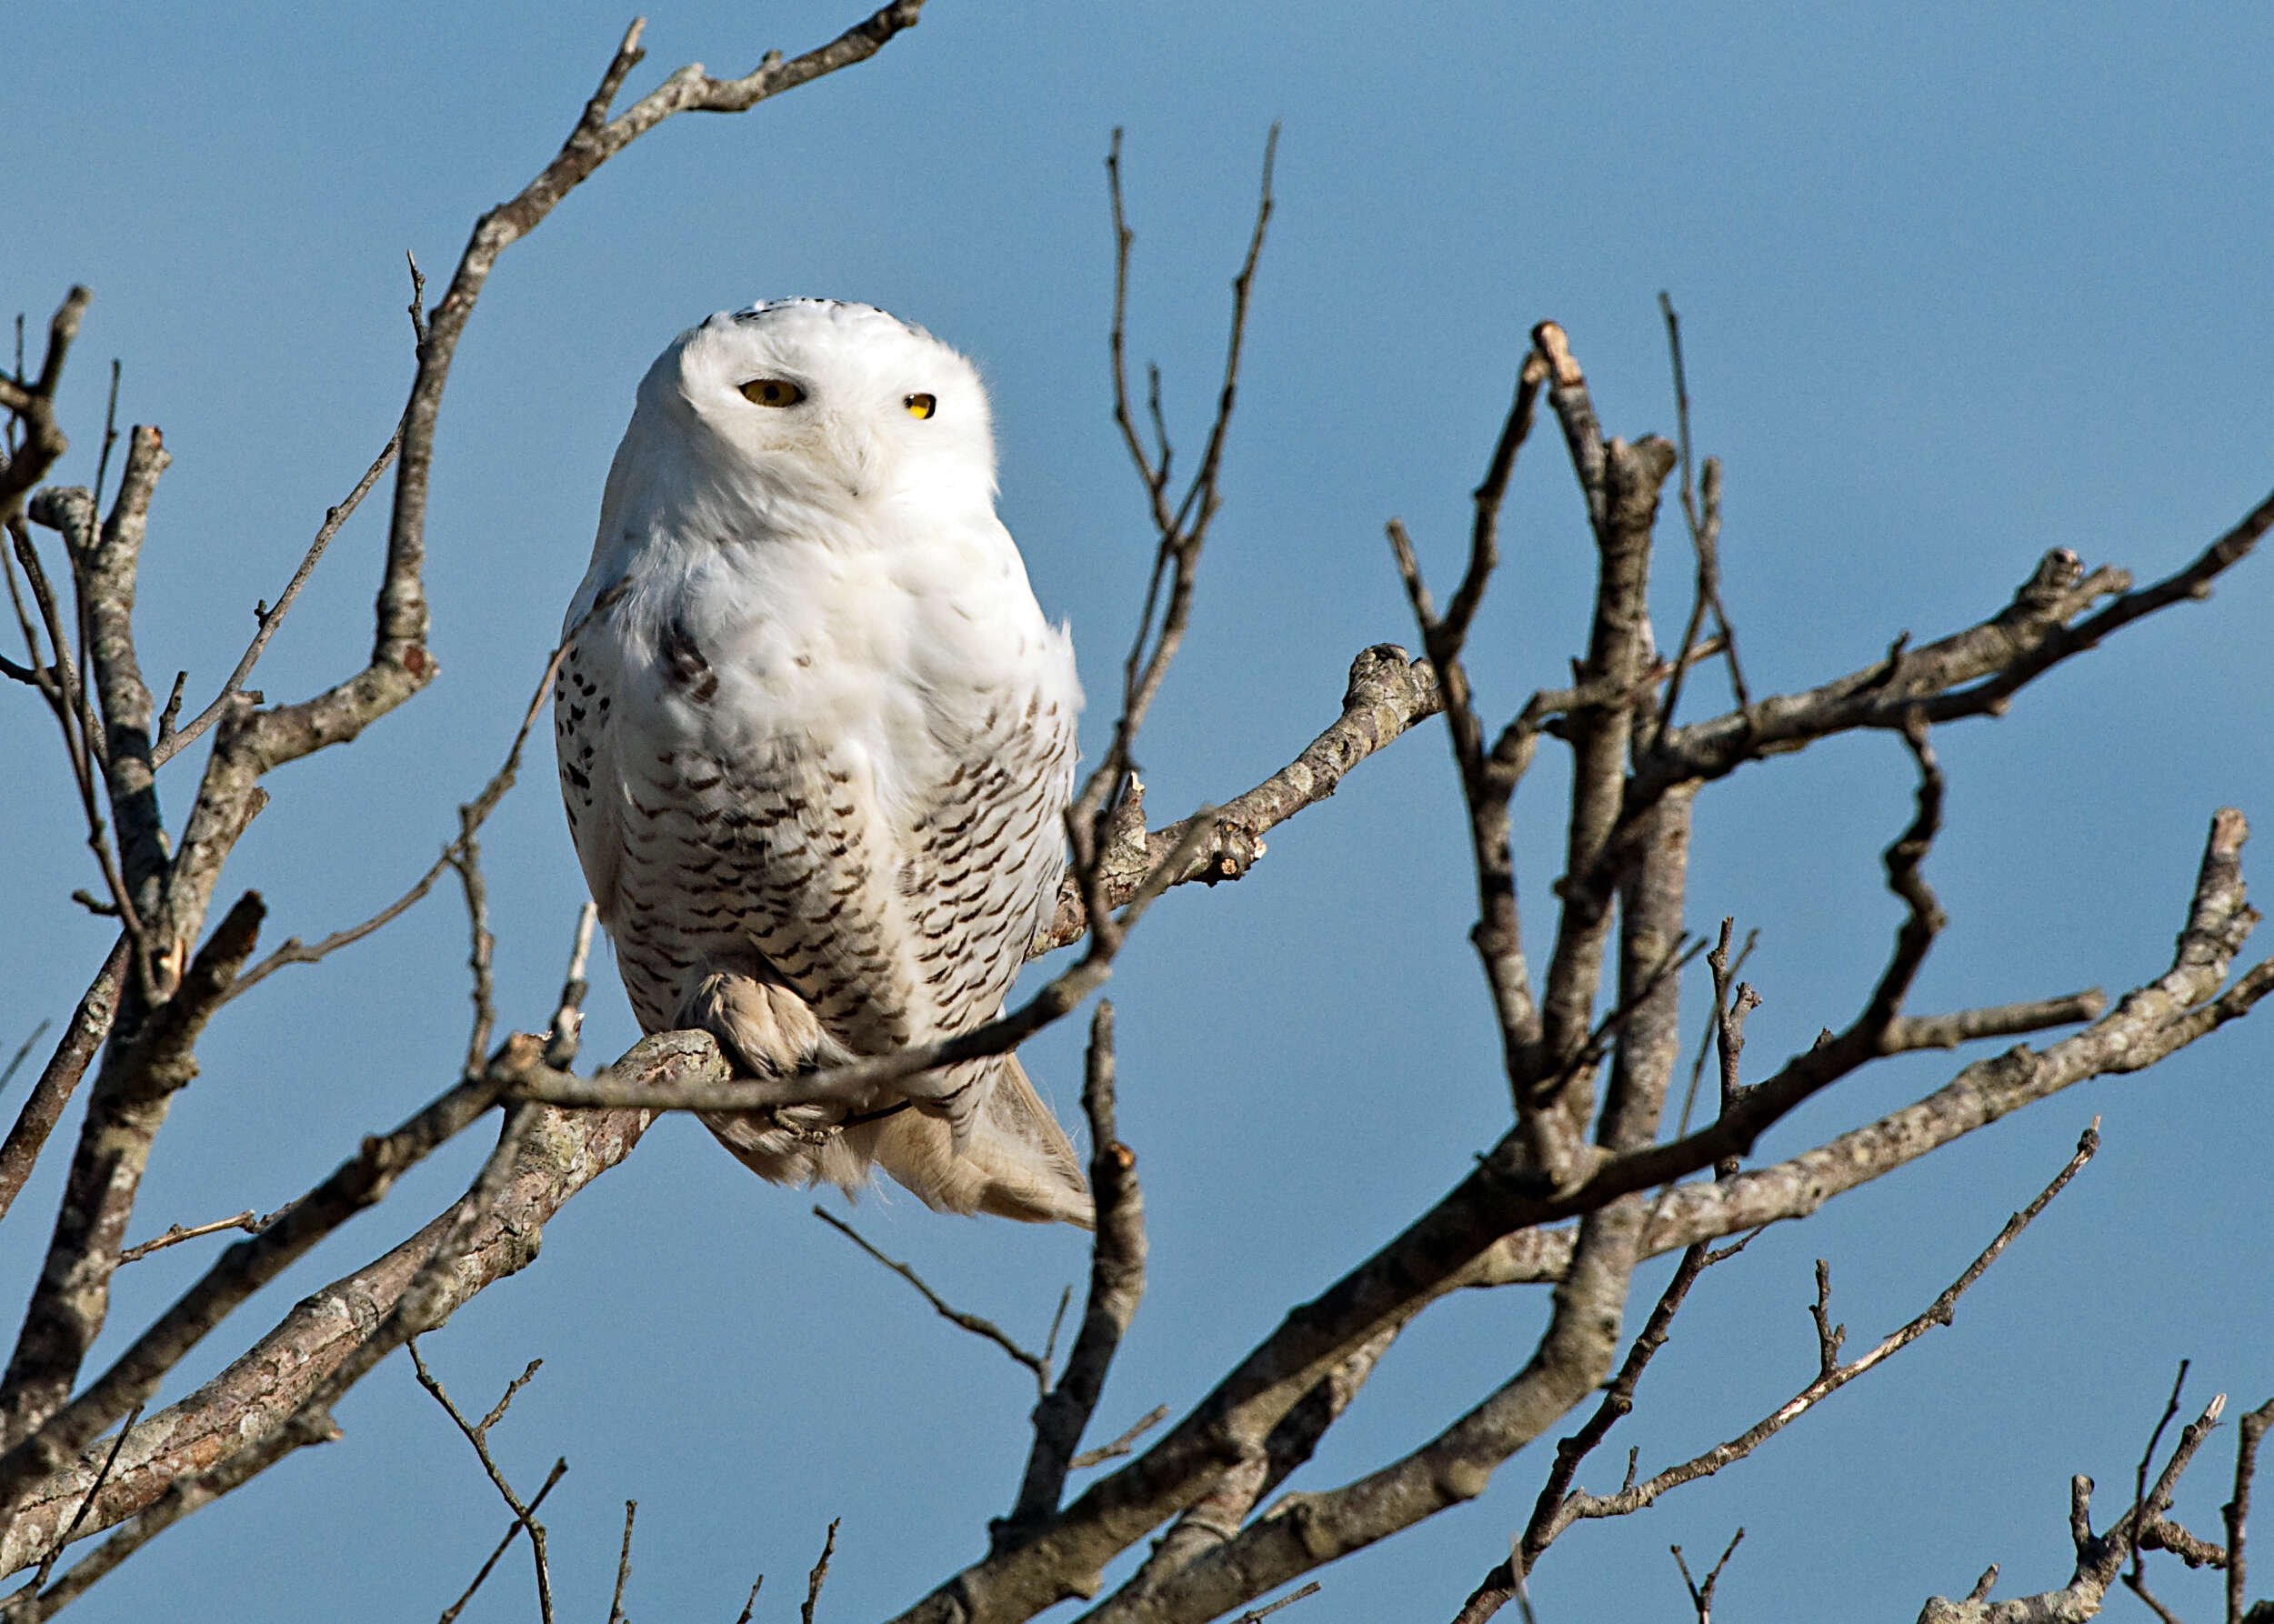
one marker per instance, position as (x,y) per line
(815,739)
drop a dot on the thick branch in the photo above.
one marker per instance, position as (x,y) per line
(1617,652)
(43,1108)
(255,1397)
(243,1269)
(130,1098)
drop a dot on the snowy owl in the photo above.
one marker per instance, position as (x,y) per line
(816,738)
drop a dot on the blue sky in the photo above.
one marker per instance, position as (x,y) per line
(1959,283)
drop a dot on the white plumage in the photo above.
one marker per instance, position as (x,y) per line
(815,739)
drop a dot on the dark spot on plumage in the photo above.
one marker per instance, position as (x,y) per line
(685,668)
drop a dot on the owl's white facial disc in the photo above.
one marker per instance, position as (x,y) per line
(828,403)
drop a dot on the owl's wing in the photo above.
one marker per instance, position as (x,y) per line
(584,692)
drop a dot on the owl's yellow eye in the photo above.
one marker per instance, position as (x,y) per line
(772,392)
(920,406)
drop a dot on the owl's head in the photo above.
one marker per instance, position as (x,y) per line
(823,402)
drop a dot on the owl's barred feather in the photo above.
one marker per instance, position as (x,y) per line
(816,741)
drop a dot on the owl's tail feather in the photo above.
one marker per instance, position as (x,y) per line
(1015,1161)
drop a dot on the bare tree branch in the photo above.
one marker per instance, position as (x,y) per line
(47,1564)
(477,1434)
(1387,693)
(1289,1599)
(43,1108)
(23,1053)
(1975,672)
(33,407)
(1117,1283)
(1471,1237)
(170,741)
(422,1306)
(1705,535)
(2100,1557)
(1831,1374)
(623,1565)
(513,1530)
(462,854)
(130,1098)
(2235,1512)
(266,1394)
(1701,1596)
(820,1572)
(985,1329)
(176,1234)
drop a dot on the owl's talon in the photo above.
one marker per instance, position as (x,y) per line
(815,1124)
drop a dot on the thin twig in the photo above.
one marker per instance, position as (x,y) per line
(2140,1486)
(1289,1599)
(568,1016)
(470,817)
(1121,1445)
(47,1564)
(1832,1375)
(466,858)
(750,1605)
(110,434)
(1701,1596)
(623,1565)
(513,1531)
(820,1572)
(179,1233)
(1725,973)
(1057,1323)
(972,1323)
(477,1434)
(1705,533)
(8,1075)
(1180,530)
(73,705)
(171,740)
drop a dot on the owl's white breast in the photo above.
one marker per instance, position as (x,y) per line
(895,645)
